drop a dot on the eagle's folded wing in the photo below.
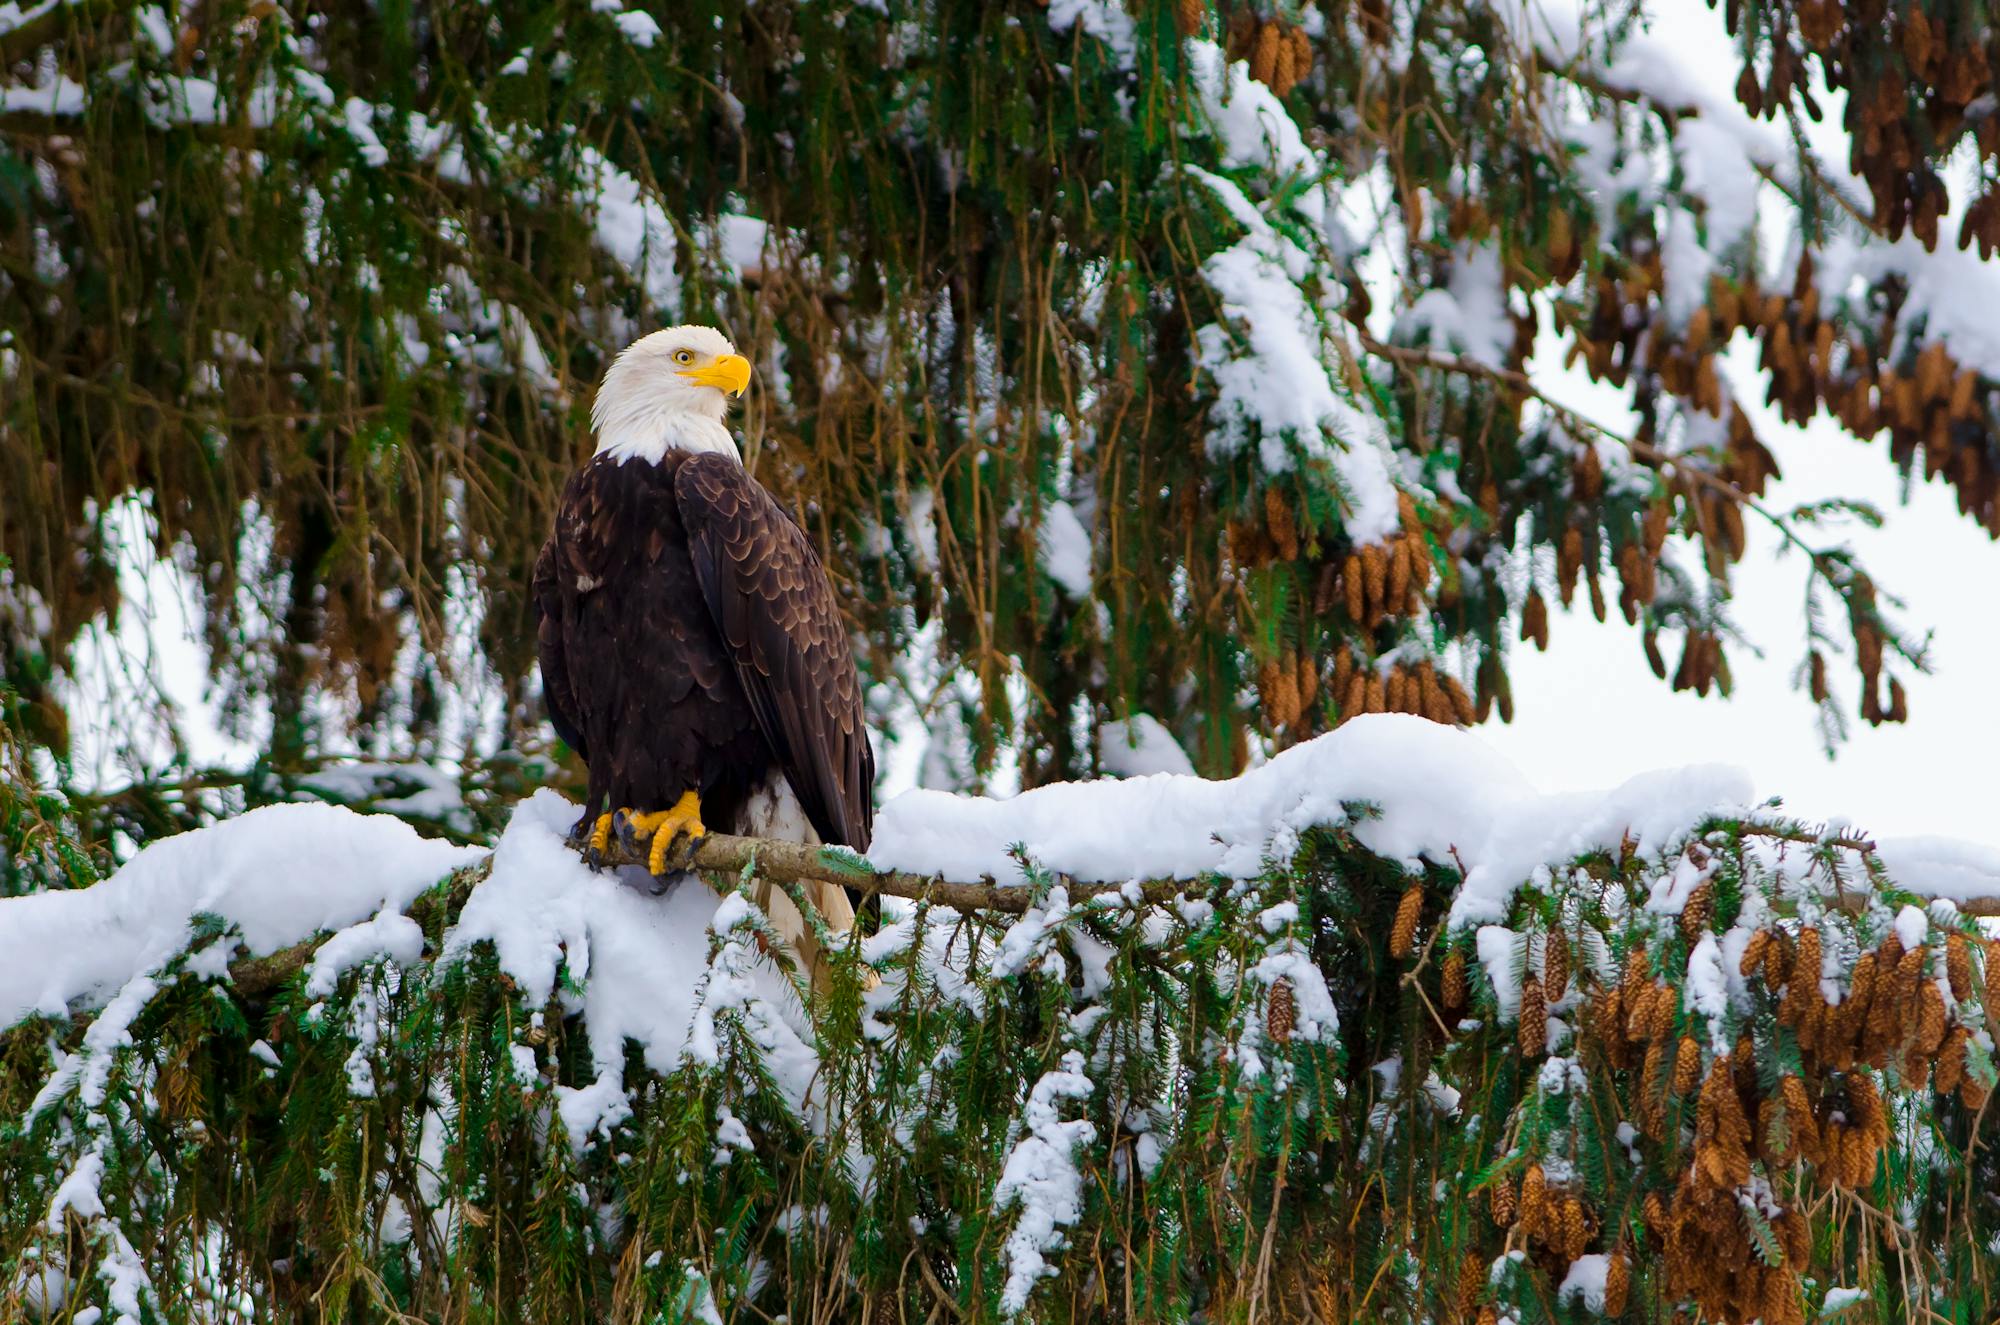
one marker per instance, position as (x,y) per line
(549,645)
(772,604)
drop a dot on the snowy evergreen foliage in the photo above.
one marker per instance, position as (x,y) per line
(1409,1043)
(1159,380)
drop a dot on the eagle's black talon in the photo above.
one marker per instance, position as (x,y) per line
(598,839)
(683,851)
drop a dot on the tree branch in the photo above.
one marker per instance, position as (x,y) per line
(796,862)
(722,854)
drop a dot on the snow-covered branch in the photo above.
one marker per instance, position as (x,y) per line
(1154,983)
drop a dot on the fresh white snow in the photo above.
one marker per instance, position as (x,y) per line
(1942,867)
(1139,746)
(1585,1282)
(642,961)
(1410,790)
(1436,791)
(277,875)
(1041,1181)
(1065,549)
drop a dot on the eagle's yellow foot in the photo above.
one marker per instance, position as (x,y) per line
(667,827)
(598,841)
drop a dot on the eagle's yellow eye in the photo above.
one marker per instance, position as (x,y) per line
(683,356)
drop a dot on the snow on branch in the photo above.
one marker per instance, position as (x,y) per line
(1406,790)
(1152,981)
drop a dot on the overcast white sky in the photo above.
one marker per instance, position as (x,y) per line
(1589,712)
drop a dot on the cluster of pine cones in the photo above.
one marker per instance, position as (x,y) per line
(1279,53)
(1936,81)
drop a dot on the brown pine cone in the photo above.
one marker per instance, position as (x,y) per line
(1660,1012)
(1264,52)
(1753,953)
(1284,73)
(1533,1031)
(1617,1284)
(1454,980)
(1687,1065)
(1777,962)
(1279,521)
(1281,1012)
(1575,1229)
(1501,1196)
(1861,988)
(1569,562)
(1695,914)
(1958,966)
(1950,1070)
(1399,572)
(1302,54)
(1802,989)
(1799,1114)
(1534,1197)
(1637,971)
(1930,1018)
(1555,966)
(1471,1278)
(1652,1109)
(1535,620)
(1375,574)
(1354,579)
(1403,934)
(1867,1112)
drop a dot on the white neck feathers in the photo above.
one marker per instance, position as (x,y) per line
(648,435)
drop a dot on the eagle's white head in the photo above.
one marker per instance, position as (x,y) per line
(669,391)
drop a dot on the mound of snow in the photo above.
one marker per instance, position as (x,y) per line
(1437,791)
(279,874)
(640,961)
(1942,867)
(1140,747)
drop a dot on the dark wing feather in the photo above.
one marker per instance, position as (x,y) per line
(557,692)
(775,611)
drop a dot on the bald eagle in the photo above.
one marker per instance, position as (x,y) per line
(691,649)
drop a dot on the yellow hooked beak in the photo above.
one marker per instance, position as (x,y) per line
(725,372)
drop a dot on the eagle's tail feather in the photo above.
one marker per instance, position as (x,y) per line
(830,899)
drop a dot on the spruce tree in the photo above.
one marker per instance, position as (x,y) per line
(1113,376)
(1124,359)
